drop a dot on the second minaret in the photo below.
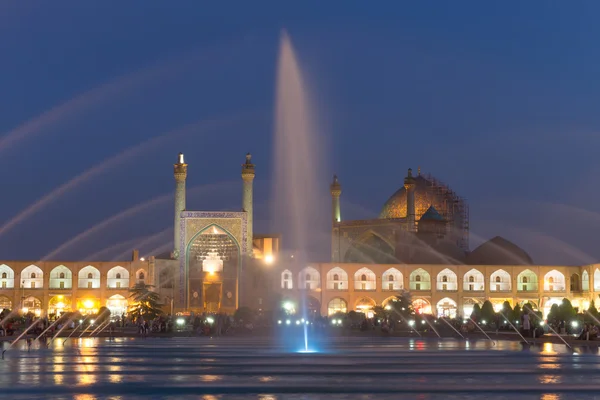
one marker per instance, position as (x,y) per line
(248,178)
(180,174)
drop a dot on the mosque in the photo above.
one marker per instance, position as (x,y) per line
(419,243)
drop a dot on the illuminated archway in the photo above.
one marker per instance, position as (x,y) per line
(500,281)
(5,303)
(473,281)
(585,281)
(88,305)
(447,307)
(421,306)
(89,278)
(141,275)
(554,281)
(32,277)
(365,305)
(447,280)
(364,279)
(527,281)
(337,305)
(420,280)
(58,305)
(117,305)
(61,278)
(392,280)
(309,279)
(337,279)
(32,305)
(7,277)
(287,280)
(117,278)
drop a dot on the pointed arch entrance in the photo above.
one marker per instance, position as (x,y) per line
(213,261)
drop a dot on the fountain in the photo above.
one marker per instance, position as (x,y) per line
(296,161)
(47,329)
(75,329)
(482,331)
(75,315)
(514,327)
(33,324)
(549,327)
(453,328)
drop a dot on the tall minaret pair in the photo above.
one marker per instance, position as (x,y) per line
(180,173)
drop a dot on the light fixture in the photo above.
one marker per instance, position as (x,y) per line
(269,259)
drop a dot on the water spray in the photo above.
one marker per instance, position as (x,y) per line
(550,327)
(453,328)
(34,323)
(514,327)
(482,331)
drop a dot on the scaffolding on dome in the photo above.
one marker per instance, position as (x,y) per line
(454,209)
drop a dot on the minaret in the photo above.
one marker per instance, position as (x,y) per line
(409,185)
(336,190)
(248,178)
(180,173)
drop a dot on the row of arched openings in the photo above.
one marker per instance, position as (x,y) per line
(61,277)
(447,280)
(57,305)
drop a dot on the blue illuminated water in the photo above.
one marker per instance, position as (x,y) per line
(256,368)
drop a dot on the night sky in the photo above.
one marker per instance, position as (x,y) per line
(499,100)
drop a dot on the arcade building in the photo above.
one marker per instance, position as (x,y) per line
(419,243)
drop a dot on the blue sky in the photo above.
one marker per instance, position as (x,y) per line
(498,100)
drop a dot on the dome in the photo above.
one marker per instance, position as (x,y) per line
(431,192)
(499,251)
(432,215)
(428,192)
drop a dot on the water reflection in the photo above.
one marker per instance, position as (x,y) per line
(546,379)
(391,365)
(550,396)
(548,349)
(84,397)
(85,379)
(210,378)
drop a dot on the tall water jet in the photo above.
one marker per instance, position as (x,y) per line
(297,161)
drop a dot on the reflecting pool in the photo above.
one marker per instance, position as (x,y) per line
(257,368)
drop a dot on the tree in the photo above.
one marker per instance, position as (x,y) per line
(554,313)
(476,313)
(103,314)
(566,310)
(507,309)
(146,303)
(592,309)
(487,311)
(402,306)
(379,312)
(516,314)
